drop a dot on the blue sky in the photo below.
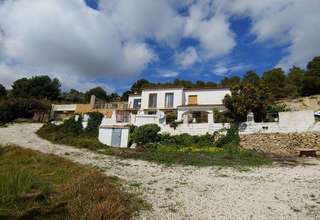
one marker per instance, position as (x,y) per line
(112,43)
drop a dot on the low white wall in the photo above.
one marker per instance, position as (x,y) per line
(62,108)
(194,129)
(139,120)
(289,122)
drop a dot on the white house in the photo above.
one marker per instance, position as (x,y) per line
(190,108)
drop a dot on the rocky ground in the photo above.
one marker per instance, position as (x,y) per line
(276,192)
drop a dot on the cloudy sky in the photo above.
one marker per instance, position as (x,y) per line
(112,43)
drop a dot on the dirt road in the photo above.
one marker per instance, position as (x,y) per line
(277,192)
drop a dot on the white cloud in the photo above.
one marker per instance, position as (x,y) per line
(168,73)
(211,28)
(69,40)
(67,37)
(187,58)
(144,18)
(282,22)
(223,68)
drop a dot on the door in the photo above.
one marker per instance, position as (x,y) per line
(193,100)
(116,137)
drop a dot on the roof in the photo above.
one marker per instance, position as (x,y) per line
(135,94)
(212,89)
(161,87)
(164,87)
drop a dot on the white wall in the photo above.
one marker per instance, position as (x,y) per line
(207,97)
(131,100)
(105,136)
(161,93)
(67,107)
(139,120)
(194,129)
(298,121)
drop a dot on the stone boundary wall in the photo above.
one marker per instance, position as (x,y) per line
(285,144)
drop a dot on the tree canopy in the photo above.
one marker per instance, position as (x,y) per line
(99,92)
(251,77)
(3,91)
(311,81)
(37,87)
(248,98)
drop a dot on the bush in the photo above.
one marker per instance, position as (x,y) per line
(146,134)
(94,122)
(11,109)
(232,136)
(187,140)
(71,126)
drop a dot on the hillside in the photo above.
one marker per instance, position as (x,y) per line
(303,103)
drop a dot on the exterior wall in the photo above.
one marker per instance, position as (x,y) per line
(62,108)
(124,137)
(86,108)
(139,120)
(194,129)
(177,97)
(207,97)
(289,122)
(131,100)
(83,108)
(105,136)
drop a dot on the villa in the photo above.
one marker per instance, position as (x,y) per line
(192,110)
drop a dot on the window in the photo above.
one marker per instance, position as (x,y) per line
(153,101)
(169,100)
(193,100)
(136,103)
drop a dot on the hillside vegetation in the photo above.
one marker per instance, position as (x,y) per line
(303,103)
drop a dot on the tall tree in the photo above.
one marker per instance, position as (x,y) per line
(230,82)
(200,84)
(251,77)
(99,92)
(73,96)
(139,84)
(275,80)
(37,87)
(113,97)
(311,81)
(211,84)
(295,78)
(248,98)
(125,95)
(3,91)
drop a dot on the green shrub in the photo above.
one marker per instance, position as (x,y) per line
(94,122)
(146,134)
(71,126)
(187,140)
(11,109)
(232,136)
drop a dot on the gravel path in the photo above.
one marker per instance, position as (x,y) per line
(277,192)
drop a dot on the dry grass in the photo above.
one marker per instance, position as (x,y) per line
(39,186)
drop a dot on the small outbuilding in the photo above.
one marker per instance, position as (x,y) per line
(114,135)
